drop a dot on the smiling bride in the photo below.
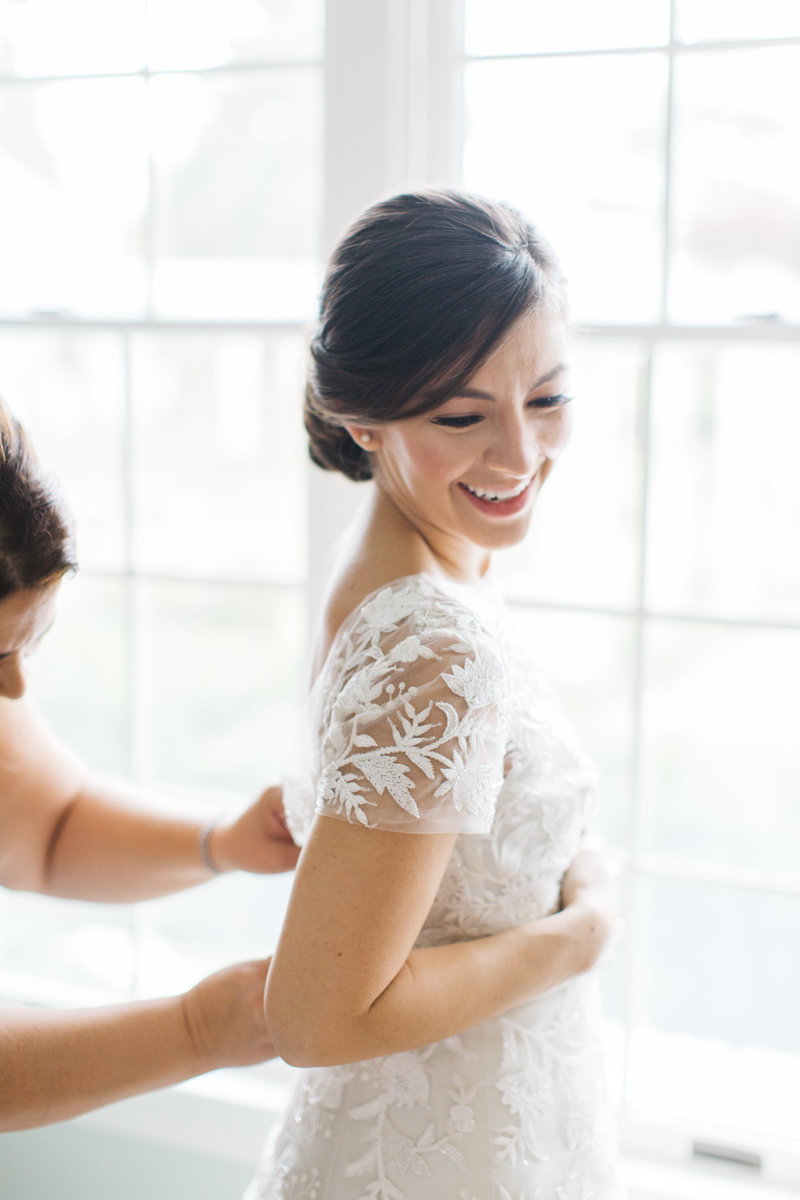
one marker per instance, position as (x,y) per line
(437,988)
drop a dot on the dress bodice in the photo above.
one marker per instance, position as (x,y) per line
(426,717)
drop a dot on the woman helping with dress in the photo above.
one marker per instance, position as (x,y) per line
(435,987)
(66,830)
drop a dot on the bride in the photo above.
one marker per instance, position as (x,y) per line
(436,988)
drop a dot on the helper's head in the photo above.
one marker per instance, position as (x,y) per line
(36,551)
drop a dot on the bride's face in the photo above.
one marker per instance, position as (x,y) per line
(467,473)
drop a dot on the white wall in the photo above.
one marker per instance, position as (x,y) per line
(70,1162)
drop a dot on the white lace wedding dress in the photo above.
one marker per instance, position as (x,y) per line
(426,718)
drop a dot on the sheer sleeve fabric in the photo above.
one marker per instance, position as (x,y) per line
(411,732)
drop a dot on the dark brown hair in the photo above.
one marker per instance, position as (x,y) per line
(36,543)
(418,293)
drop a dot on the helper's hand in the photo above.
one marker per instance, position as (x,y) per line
(258,840)
(224,1016)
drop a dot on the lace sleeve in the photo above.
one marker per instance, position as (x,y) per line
(412,737)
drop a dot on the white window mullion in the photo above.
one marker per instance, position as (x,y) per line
(360,138)
(636,842)
(434,88)
(669,157)
(392,101)
(393,120)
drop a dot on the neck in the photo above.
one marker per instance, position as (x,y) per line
(417,547)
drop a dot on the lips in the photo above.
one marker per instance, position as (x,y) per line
(506,504)
(491,494)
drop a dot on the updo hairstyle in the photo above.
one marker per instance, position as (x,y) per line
(417,294)
(36,542)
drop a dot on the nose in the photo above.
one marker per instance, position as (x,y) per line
(12,677)
(515,450)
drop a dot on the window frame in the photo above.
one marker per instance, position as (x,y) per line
(407,56)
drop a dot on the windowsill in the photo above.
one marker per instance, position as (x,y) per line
(648,1180)
(227,1112)
(231,1111)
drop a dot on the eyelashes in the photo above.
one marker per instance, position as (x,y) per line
(465,420)
(552,401)
(456,422)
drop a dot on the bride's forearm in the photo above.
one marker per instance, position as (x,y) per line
(347,982)
(449,988)
(443,990)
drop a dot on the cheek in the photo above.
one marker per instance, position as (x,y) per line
(425,460)
(560,432)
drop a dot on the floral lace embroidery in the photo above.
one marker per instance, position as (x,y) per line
(404,1083)
(427,718)
(387,733)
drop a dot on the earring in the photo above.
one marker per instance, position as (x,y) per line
(366,437)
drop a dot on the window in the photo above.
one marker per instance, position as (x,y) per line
(172,187)
(162,186)
(661,587)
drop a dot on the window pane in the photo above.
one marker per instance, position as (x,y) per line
(561,139)
(81,946)
(721,752)
(588,661)
(725,490)
(698,20)
(73,177)
(736,204)
(716,967)
(220,456)
(237,167)
(191,934)
(68,391)
(582,547)
(519,27)
(79,675)
(49,37)
(182,33)
(223,684)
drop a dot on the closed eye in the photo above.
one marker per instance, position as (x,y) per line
(465,420)
(551,401)
(459,421)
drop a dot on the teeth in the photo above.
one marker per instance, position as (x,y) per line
(484,495)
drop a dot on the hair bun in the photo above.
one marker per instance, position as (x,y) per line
(330,445)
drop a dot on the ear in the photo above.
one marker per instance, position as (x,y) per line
(368,437)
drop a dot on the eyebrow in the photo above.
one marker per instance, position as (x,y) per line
(476,394)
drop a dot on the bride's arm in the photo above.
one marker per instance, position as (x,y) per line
(346,982)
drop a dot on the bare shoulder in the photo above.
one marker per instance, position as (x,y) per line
(385,550)
(347,592)
(38,777)
(33,761)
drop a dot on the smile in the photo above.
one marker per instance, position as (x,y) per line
(497,497)
(499,504)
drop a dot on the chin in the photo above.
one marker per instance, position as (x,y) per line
(505,539)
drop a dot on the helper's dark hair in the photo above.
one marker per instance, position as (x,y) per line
(418,293)
(36,542)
